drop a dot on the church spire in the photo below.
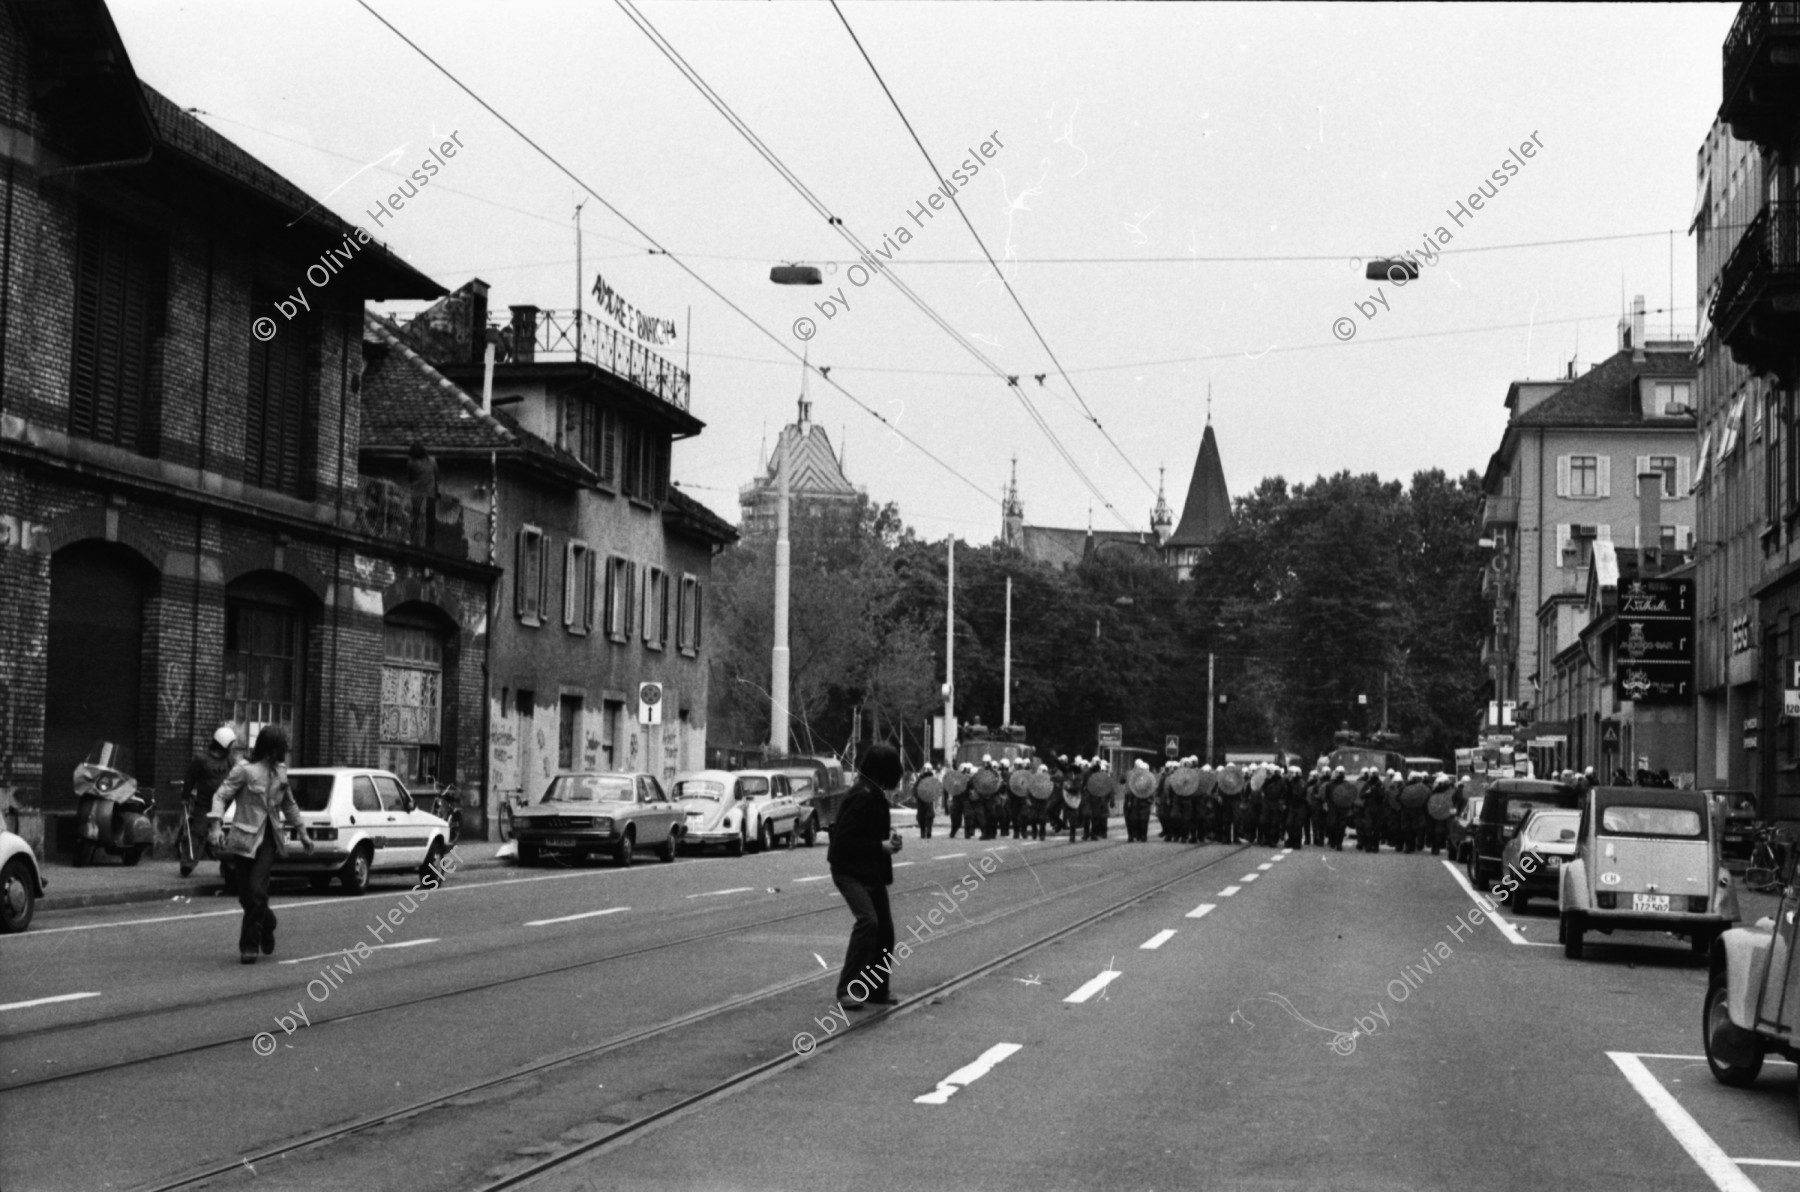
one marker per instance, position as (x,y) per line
(1207,510)
(1162,519)
(1012,512)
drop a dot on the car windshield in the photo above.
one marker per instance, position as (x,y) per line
(1549,829)
(1520,807)
(699,788)
(590,788)
(1739,804)
(311,791)
(1650,821)
(752,788)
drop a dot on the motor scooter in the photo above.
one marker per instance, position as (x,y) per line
(112,814)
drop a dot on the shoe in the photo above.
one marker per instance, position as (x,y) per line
(268,936)
(886,999)
(246,956)
(853,1005)
(187,870)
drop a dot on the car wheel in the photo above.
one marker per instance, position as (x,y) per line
(812,832)
(434,858)
(17,900)
(765,839)
(665,852)
(1571,935)
(528,854)
(320,882)
(1702,941)
(355,873)
(1732,1053)
(622,854)
(736,847)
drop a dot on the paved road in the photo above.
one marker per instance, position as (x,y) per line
(1328,1022)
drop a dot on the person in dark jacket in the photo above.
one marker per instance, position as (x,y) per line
(205,773)
(862,868)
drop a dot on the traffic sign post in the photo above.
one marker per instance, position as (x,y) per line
(1172,746)
(650,701)
(1112,736)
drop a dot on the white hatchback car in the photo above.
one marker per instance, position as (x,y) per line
(362,821)
(21,883)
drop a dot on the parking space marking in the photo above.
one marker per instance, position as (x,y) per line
(611,910)
(968,1074)
(1228,891)
(1491,910)
(45,1001)
(717,893)
(1201,911)
(1094,985)
(1158,940)
(1718,1166)
(1768,1162)
(357,950)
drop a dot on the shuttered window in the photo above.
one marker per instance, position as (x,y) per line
(528,574)
(121,297)
(281,424)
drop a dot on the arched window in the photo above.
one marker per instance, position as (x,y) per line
(266,620)
(418,702)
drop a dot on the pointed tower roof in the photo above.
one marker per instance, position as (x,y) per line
(1208,508)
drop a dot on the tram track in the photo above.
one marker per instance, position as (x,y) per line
(626,1132)
(215,1004)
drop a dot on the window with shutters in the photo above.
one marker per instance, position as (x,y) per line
(1664,464)
(578,587)
(656,608)
(621,576)
(528,575)
(121,303)
(687,638)
(281,426)
(581,429)
(1584,476)
(1676,394)
(607,464)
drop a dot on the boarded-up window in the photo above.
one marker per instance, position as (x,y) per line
(121,294)
(412,700)
(280,415)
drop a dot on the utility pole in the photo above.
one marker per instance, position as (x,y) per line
(1006,667)
(579,292)
(778,661)
(1384,686)
(950,653)
(1211,704)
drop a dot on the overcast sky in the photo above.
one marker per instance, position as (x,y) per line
(1164,133)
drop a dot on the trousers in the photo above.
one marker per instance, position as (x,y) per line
(871,939)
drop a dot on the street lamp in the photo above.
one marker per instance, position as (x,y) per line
(784,275)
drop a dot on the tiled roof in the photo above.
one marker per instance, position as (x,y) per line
(1607,394)
(684,513)
(1068,547)
(1207,510)
(404,397)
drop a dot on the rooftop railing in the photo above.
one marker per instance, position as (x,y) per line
(577,335)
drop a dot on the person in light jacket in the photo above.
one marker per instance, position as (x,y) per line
(257,791)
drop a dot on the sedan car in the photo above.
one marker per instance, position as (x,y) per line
(1535,855)
(772,808)
(589,812)
(1505,802)
(1647,860)
(1460,832)
(716,809)
(21,883)
(361,821)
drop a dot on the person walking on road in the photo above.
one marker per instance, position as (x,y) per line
(204,774)
(862,868)
(257,791)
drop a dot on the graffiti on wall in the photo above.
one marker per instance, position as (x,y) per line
(172,697)
(359,734)
(18,533)
(671,743)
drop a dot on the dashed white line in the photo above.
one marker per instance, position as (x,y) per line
(1095,985)
(903,864)
(1158,940)
(817,877)
(1719,1168)
(1266,865)
(968,1074)
(45,1001)
(1201,911)
(611,910)
(1249,877)
(358,951)
(947,856)
(717,893)
(1228,891)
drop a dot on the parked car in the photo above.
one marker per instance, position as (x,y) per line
(1459,833)
(1738,808)
(774,812)
(1535,855)
(1648,859)
(1506,802)
(829,785)
(587,812)
(717,809)
(21,883)
(1752,1002)
(362,821)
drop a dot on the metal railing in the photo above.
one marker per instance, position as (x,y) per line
(578,335)
(1770,247)
(1754,23)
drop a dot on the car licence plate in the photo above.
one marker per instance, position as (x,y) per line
(1650,902)
(571,842)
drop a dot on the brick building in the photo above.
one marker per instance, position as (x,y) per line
(186,538)
(607,563)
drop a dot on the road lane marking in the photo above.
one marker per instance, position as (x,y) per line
(1228,891)
(357,951)
(947,856)
(1095,985)
(717,893)
(968,1074)
(1491,909)
(1768,1162)
(1718,1166)
(903,864)
(1249,877)
(1266,865)
(1284,852)
(817,877)
(1201,911)
(611,910)
(45,1001)
(1158,940)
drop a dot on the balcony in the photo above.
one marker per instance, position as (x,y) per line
(1762,72)
(391,513)
(1757,308)
(576,335)
(1500,511)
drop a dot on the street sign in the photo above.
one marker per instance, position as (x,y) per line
(1112,736)
(650,700)
(1657,682)
(1172,746)
(1790,703)
(1793,673)
(1653,637)
(1658,598)
(1655,641)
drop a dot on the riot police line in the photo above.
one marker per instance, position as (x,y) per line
(1191,803)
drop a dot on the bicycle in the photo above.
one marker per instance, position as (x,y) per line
(446,804)
(1763,874)
(184,835)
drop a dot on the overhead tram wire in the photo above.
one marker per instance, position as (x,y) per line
(837,224)
(658,247)
(998,272)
